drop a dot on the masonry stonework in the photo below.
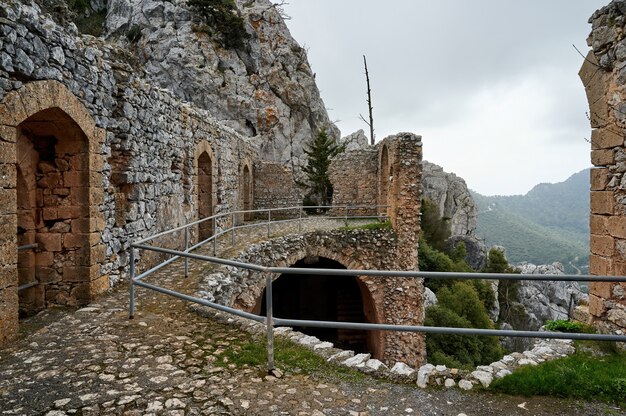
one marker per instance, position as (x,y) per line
(603,74)
(93,157)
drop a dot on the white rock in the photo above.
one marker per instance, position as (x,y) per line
(508,359)
(449,383)
(502,373)
(441,368)
(356,360)
(402,369)
(423,373)
(308,341)
(465,385)
(375,365)
(526,361)
(340,356)
(323,346)
(484,377)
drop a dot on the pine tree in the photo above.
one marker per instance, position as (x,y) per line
(320,151)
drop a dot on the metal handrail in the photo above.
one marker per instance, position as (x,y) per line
(36,282)
(271,321)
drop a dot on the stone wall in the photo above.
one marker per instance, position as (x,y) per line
(274,186)
(393,300)
(603,74)
(354,175)
(136,173)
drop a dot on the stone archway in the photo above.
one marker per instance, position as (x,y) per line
(205,188)
(51,152)
(347,299)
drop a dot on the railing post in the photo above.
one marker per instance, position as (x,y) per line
(300,221)
(269,221)
(214,221)
(131,314)
(269,321)
(186,248)
(232,237)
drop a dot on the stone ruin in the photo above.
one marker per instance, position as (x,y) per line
(93,155)
(603,74)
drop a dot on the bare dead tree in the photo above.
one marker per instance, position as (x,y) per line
(369,103)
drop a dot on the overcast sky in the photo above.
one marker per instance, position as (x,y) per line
(491,85)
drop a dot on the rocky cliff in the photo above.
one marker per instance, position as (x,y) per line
(452,196)
(265,90)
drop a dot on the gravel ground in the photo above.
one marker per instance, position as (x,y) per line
(96,361)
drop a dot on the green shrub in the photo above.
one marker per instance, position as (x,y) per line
(563,325)
(434,229)
(222,20)
(460,307)
(134,34)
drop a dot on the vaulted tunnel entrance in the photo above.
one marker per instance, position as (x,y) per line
(325,298)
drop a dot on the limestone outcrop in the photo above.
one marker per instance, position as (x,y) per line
(266,90)
(450,193)
(545,301)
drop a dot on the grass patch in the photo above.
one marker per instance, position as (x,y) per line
(288,356)
(386,225)
(580,376)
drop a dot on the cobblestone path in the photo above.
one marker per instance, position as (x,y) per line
(96,361)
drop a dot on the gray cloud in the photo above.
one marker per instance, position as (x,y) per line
(491,85)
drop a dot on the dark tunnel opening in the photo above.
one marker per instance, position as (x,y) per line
(321,298)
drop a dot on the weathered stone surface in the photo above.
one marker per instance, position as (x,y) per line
(266,91)
(450,193)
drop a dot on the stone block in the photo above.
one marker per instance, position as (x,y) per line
(49,213)
(599,179)
(80,294)
(596,306)
(49,241)
(47,274)
(7,152)
(8,229)
(8,252)
(599,266)
(44,259)
(606,138)
(602,157)
(8,276)
(76,274)
(8,201)
(598,224)
(8,134)
(8,314)
(601,289)
(602,245)
(8,175)
(99,285)
(72,179)
(602,202)
(617,226)
(70,212)
(79,162)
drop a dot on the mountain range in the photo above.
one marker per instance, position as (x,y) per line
(549,223)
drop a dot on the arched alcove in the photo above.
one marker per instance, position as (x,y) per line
(326,298)
(205,194)
(246,189)
(53,204)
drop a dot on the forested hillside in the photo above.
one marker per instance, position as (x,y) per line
(550,223)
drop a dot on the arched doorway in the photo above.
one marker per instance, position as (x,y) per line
(246,188)
(52,211)
(205,194)
(326,298)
